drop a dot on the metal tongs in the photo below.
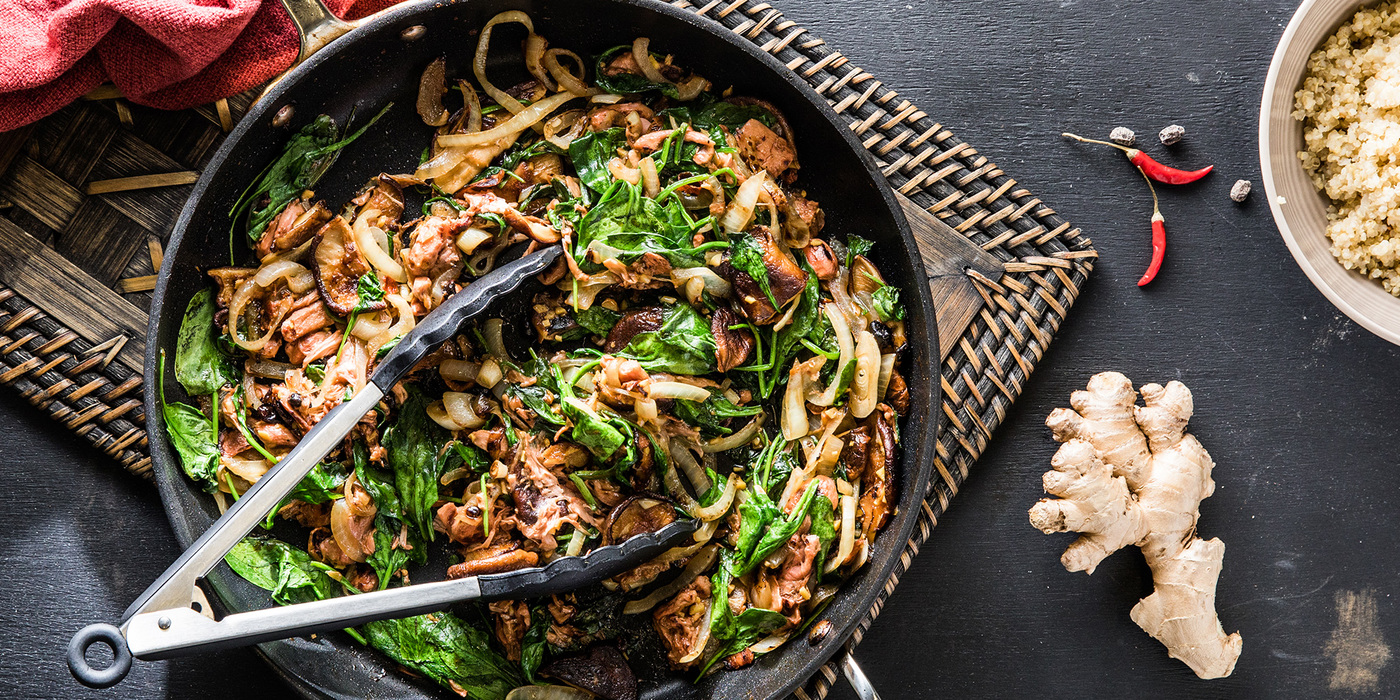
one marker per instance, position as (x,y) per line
(172,617)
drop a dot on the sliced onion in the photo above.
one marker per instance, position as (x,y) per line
(717,286)
(494,333)
(696,566)
(716,510)
(769,643)
(651,181)
(341,531)
(472,238)
(606,98)
(400,327)
(369,326)
(740,212)
(473,104)
(828,452)
(459,407)
(459,370)
(438,412)
(867,376)
(442,282)
(249,470)
(567,81)
(672,479)
(886,373)
(617,169)
(549,692)
(441,163)
(241,296)
(680,454)
(490,373)
(267,369)
(846,343)
(534,57)
(742,437)
(270,273)
(646,411)
(562,128)
(366,238)
(641,55)
(848,533)
(588,289)
(794,418)
(523,120)
(691,88)
(678,390)
(698,647)
(430,89)
(483,46)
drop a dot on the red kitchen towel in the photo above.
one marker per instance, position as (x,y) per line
(170,54)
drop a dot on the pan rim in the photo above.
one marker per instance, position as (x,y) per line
(918,456)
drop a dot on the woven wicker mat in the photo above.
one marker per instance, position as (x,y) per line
(81,232)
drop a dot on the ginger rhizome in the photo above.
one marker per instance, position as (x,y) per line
(1132,475)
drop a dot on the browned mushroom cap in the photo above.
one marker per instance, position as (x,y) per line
(732,345)
(823,261)
(337,266)
(602,671)
(634,321)
(878,497)
(636,516)
(384,194)
(785,279)
(897,394)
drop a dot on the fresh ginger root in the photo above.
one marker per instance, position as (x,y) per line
(1132,475)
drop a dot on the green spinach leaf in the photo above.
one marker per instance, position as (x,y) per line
(626,223)
(626,83)
(194,437)
(887,304)
(683,344)
(711,415)
(533,647)
(597,320)
(590,154)
(449,650)
(201,366)
(747,257)
(413,442)
(855,245)
(304,160)
(778,533)
(287,572)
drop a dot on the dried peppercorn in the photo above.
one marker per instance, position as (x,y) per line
(1150,168)
(1171,135)
(1123,136)
(1240,191)
(1159,236)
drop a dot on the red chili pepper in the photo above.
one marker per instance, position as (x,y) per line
(1150,168)
(1159,235)
(1159,248)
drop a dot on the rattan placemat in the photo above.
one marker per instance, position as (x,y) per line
(81,228)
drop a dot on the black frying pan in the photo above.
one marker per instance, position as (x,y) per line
(381,62)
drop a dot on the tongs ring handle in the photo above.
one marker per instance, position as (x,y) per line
(78,646)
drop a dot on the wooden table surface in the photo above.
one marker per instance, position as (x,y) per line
(1294,401)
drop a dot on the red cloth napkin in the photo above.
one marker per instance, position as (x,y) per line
(170,54)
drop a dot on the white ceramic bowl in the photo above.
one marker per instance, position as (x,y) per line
(1299,209)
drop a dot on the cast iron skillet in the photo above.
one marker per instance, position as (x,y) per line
(375,64)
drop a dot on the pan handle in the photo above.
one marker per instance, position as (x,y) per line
(316,25)
(856,677)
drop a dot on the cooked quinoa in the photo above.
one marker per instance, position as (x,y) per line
(1350,108)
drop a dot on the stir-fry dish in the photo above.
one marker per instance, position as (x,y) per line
(703,349)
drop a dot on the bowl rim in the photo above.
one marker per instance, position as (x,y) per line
(1267,166)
